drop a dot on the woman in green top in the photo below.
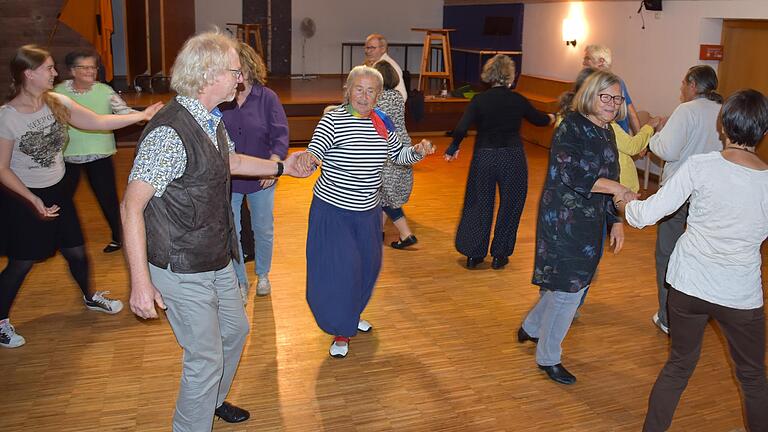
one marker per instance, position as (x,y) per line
(93,150)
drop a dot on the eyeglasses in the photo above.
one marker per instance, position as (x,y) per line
(86,68)
(617,100)
(360,91)
(237,73)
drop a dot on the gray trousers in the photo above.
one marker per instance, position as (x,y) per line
(668,232)
(206,313)
(549,320)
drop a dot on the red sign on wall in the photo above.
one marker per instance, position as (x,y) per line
(710,52)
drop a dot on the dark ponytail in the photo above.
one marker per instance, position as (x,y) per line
(705,80)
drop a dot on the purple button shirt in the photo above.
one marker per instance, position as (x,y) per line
(258,128)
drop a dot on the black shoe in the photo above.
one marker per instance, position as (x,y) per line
(559,374)
(499,262)
(402,244)
(231,414)
(523,336)
(113,246)
(247,258)
(473,262)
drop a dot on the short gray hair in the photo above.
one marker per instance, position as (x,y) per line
(201,58)
(500,69)
(359,72)
(599,51)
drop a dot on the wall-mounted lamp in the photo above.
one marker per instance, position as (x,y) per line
(571,31)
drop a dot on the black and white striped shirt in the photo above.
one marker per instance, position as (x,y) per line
(353,154)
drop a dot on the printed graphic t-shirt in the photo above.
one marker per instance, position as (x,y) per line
(38,140)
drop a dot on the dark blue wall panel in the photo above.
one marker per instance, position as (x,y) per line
(487,27)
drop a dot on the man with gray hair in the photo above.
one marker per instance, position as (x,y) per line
(375,51)
(599,57)
(179,231)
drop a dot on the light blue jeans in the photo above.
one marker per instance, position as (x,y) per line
(549,320)
(261,205)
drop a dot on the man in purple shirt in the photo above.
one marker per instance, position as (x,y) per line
(257,124)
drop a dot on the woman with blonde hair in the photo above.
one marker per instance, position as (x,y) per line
(574,208)
(40,216)
(498,161)
(257,124)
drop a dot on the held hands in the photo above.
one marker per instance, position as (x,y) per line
(300,164)
(424,148)
(151,110)
(621,199)
(144,296)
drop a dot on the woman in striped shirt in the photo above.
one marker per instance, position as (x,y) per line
(344,250)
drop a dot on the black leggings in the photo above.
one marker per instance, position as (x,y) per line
(16,271)
(101,177)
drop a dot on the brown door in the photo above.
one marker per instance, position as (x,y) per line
(744,63)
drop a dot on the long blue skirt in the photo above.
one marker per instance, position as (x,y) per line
(344,252)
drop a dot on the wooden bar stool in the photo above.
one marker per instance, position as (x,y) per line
(250,34)
(443,43)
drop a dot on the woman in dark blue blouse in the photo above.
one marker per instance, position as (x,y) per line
(574,209)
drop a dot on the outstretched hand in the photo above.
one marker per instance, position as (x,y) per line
(151,110)
(451,157)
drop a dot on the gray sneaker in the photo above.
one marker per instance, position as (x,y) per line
(263,288)
(103,304)
(8,336)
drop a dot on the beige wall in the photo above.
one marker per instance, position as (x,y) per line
(651,61)
(217,12)
(345,21)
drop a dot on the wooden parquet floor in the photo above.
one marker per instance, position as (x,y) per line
(442,355)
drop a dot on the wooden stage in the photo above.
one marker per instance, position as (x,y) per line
(442,356)
(305,99)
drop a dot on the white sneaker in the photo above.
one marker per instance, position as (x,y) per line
(103,304)
(339,347)
(8,336)
(263,288)
(659,324)
(364,326)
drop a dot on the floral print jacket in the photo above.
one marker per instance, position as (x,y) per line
(572,220)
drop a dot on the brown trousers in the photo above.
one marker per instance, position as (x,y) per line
(745,332)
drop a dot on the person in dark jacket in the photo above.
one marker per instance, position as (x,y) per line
(498,159)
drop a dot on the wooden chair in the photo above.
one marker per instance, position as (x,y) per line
(441,36)
(250,34)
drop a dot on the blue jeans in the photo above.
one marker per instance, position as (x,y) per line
(261,205)
(549,320)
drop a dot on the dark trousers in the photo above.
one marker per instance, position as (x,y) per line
(101,177)
(745,332)
(507,168)
(343,262)
(246,232)
(668,232)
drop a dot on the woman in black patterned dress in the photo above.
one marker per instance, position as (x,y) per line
(574,211)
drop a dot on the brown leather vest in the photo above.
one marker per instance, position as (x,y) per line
(190,227)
